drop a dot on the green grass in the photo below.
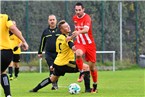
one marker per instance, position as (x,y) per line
(124,83)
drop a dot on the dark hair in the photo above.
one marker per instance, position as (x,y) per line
(79,4)
(61,23)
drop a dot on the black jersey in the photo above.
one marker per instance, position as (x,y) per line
(48,40)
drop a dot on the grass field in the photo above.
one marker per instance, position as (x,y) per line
(124,83)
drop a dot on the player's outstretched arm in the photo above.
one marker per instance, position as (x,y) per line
(17,32)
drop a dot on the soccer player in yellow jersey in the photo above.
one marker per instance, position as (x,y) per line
(7,25)
(65,60)
(16,43)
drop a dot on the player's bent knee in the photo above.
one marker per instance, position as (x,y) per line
(79,53)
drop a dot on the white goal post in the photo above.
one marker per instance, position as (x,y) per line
(109,52)
(40,60)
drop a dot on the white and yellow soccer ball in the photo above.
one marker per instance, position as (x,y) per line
(74,88)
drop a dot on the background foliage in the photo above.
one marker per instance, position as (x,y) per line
(31,18)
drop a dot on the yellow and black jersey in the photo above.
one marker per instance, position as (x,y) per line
(15,41)
(65,53)
(5,23)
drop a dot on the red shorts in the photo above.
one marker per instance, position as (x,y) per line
(89,51)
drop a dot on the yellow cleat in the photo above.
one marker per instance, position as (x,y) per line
(11,78)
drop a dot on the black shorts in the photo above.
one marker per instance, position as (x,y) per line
(50,57)
(6,58)
(16,57)
(61,70)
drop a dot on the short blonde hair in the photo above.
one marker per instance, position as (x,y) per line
(61,23)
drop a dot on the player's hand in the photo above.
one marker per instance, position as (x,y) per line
(68,38)
(15,48)
(75,33)
(25,46)
(40,55)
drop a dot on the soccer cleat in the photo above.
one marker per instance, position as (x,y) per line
(81,77)
(94,89)
(32,91)
(54,88)
(88,90)
(11,78)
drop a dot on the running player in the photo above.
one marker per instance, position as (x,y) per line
(84,43)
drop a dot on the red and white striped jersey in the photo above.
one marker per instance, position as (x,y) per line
(80,23)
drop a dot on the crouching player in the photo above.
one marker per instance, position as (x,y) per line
(65,60)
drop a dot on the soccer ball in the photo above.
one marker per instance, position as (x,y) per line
(74,88)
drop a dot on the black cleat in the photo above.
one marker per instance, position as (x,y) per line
(54,88)
(32,91)
(88,90)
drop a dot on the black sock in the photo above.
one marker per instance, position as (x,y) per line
(95,86)
(54,84)
(87,80)
(16,72)
(44,83)
(10,69)
(5,84)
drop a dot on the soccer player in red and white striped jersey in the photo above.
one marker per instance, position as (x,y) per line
(84,43)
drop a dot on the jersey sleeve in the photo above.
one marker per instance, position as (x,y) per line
(87,21)
(9,22)
(71,44)
(42,43)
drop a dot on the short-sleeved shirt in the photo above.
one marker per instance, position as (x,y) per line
(85,41)
(80,23)
(5,23)
(65,53)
